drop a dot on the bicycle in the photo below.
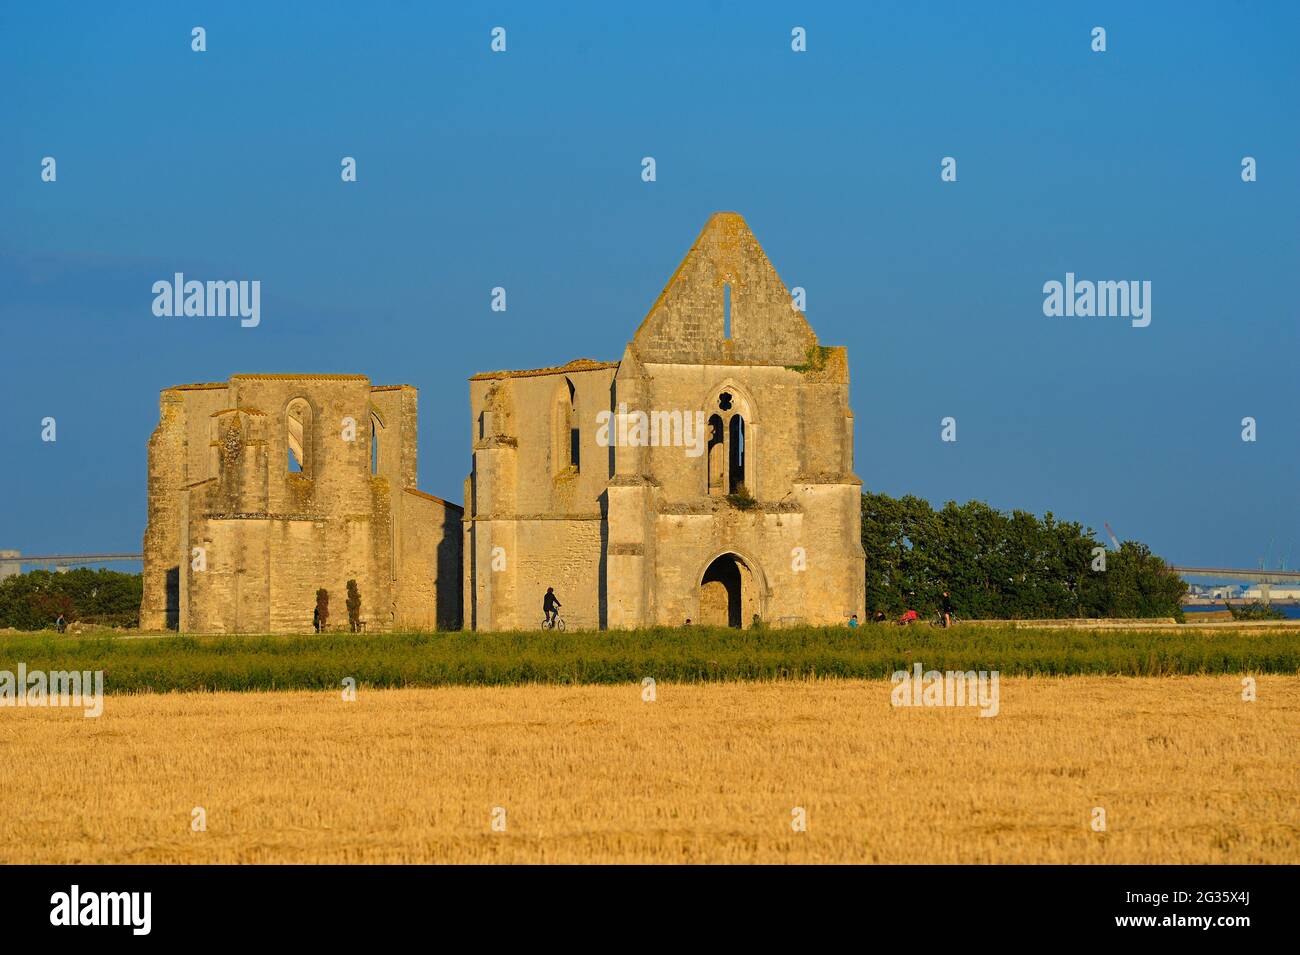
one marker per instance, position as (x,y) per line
(557,624)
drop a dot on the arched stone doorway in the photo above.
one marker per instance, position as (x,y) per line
(728,593)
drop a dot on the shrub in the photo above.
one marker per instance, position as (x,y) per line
(1256,611)
(322,615)
(354,606)
(741,499)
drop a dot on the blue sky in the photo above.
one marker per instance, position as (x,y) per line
(522,170)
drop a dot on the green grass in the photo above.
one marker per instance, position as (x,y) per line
(697,654)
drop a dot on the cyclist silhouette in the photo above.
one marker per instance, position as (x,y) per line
(550,607)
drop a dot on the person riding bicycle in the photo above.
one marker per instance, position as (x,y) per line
(550,607)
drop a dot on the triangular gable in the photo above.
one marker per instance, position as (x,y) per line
(686,324)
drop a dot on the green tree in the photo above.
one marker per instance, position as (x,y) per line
(33,601)
(354,606)
(1007,566)
(322,614)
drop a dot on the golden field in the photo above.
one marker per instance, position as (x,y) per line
(1186,771)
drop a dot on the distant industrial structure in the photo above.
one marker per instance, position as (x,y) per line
(12,561)
(1270,586)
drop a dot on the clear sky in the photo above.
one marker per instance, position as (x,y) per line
(523,170)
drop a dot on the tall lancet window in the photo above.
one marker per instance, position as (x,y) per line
(298,427)
(565,444)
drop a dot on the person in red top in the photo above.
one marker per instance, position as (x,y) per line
(908,617)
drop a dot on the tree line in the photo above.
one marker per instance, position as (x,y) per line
(33,601)
(1005,566)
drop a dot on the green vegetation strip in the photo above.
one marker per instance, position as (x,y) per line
(694,655)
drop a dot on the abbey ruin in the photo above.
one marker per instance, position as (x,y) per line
(707,476)
(266,488)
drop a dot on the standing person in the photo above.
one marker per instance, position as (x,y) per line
(60,624)
(946,608)
(550,607)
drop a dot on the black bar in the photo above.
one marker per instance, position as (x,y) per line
(355,904)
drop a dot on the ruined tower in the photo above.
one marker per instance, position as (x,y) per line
(265,488)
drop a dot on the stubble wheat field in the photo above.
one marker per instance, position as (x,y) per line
(1186,771)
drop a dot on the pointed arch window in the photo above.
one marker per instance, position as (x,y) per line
(376,439)
(729,464)
(716,456)
(565,436)
(736,455)
(298,430)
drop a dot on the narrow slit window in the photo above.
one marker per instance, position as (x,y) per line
(736,455)
(575,436)
(726,311)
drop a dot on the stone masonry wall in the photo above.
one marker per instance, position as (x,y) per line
(220,480)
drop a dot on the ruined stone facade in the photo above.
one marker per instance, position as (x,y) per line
(761,522)
(707,475)
(265,488)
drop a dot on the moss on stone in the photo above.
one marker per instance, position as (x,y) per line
(814,360)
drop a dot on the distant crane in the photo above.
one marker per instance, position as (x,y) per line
(1111,533)
(1282,560)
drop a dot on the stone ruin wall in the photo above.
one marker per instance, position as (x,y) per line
(220,481)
